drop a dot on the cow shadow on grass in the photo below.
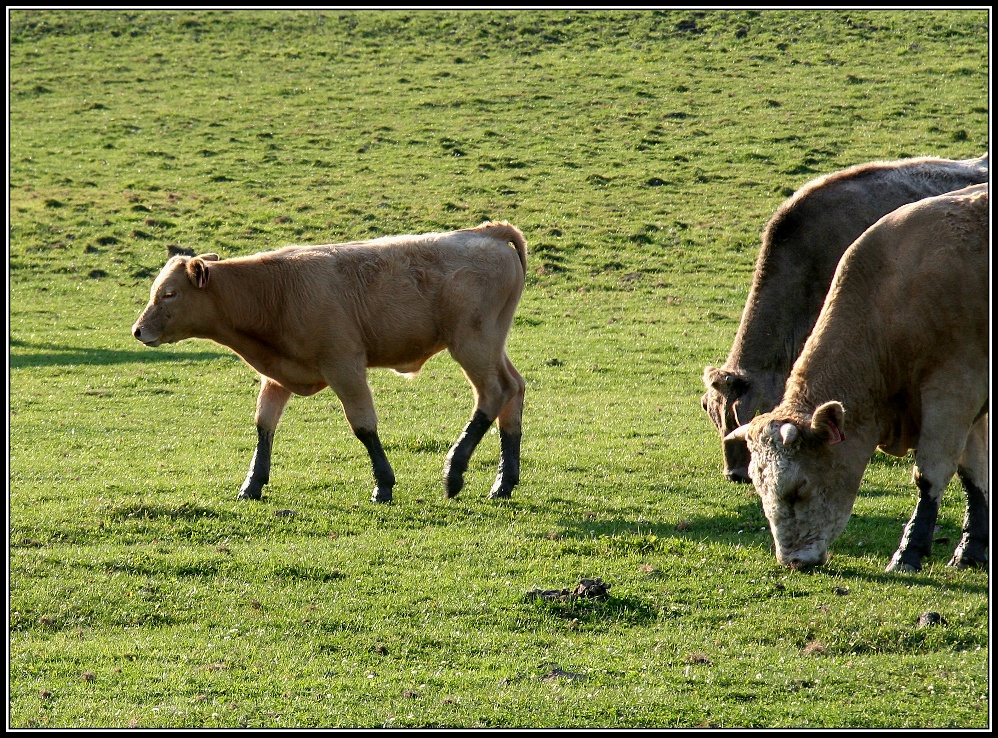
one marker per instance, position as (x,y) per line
(50,355)
(743,525)
(185,511)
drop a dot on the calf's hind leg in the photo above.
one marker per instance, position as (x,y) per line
(495,385)
(270,404)
(510,424)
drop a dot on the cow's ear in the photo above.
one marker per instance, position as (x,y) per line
(828,421)
(727,383)
(209,257)
(197,272)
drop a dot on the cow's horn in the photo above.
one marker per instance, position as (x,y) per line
(788,432)
(738,434)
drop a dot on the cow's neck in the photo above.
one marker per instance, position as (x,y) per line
(776,322)
(848,365)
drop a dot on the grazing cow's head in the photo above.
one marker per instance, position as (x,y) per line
(176,303)
(732,399)
(807,482)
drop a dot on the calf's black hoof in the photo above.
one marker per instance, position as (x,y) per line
(501,490)
(250,493)
(452,485)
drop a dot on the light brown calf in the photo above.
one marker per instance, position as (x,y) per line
(310,317)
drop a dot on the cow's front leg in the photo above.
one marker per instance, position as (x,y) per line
(972,551)
(270,404)
(349,382)
(916,541)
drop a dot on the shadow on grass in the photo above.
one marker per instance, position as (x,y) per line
(585,611)
(184,511)
(868,536)
(64,355)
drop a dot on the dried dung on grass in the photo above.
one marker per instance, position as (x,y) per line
(593,589)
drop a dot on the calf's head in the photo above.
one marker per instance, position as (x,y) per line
(732,399)
(177,301)
(807,480)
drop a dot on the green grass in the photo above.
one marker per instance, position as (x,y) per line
(641,153)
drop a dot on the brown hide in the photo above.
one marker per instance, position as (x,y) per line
(308,317)
(898,359)
(389,302)
(801,246)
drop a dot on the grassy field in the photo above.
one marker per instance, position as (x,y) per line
(641,153)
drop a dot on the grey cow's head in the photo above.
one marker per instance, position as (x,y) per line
(807,479)
(732,399)
(177,304)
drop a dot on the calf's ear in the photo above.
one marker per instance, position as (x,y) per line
(197,272)
(827,422)
(209,257)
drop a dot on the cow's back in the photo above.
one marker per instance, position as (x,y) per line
(806,237)
(933,292)
(907,310)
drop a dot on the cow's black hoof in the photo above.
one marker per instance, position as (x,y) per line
(901,564)
(967,558)
(381,494)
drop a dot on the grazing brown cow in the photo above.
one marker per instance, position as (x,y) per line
(898,360)
(801,245)
(310,317)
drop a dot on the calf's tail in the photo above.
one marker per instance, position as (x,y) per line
(510,234)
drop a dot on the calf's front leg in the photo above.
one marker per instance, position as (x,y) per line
(270,404)
(350,385)
(384,477)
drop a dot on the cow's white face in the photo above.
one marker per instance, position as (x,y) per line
(807,482)
(176,305)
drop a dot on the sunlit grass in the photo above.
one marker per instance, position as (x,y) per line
(641,153)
